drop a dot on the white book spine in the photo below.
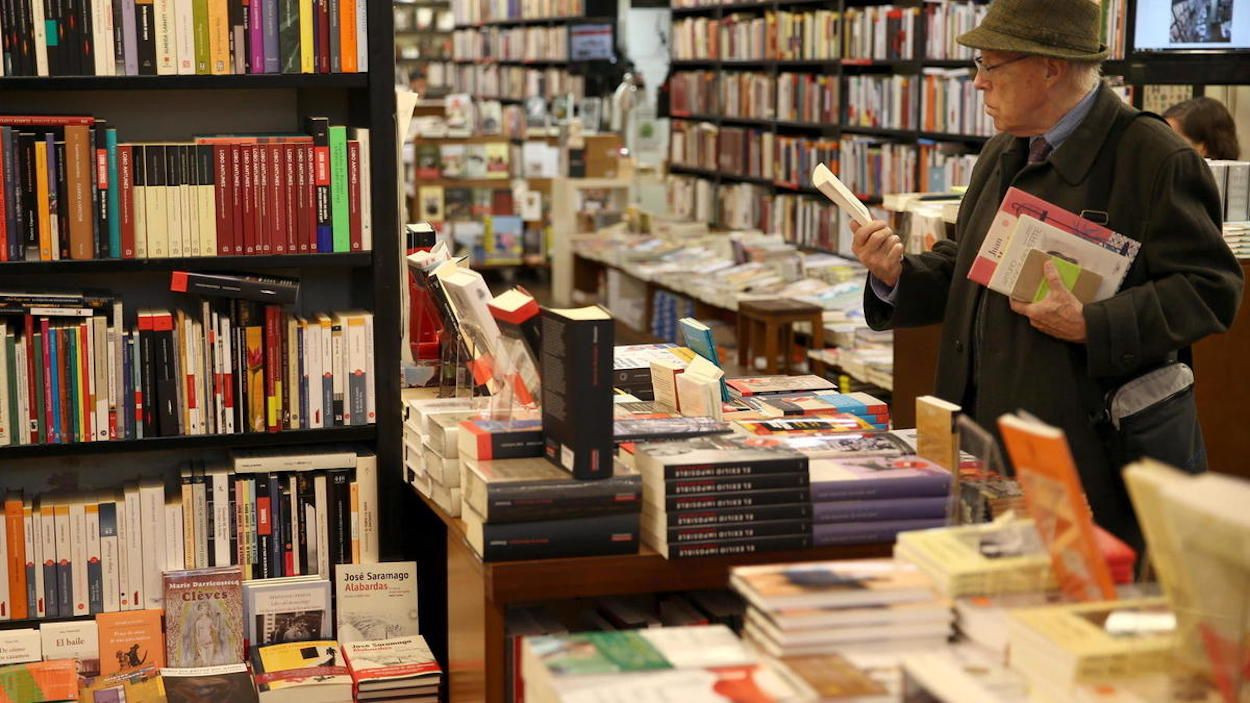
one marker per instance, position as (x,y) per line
(41,40)
(134,550)
(338,364)
(195,351)
(208,351)
(112,371)
(320,489)
(184,36)
(100,372)
(313,366)
(200,493)
(24,424)
(36,545)
(221,519)
(294,512)
(110,556)
(362,37)
(371,380)
(367,489)
(102,34)
(166,49)
(4,559)
(5,437)
(95,590)
(78,556)
(355,363)
(227,379)
(173,207)
(64,561)
(153,559)
(124,590)
(175,552)
(140,209)
(327,370)
(208,216)
(190,212)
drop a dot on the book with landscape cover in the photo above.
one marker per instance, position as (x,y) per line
(849,445)
(131,640)
(518,490)
(715,456)
(403,666)
(577,390)
(224,682)
(877,477)
(375,601)
(614,533)
(204,617)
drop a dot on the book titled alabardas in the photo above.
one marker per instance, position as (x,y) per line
(376,601)
(204,617)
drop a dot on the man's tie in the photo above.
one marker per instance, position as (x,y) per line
(1039,149)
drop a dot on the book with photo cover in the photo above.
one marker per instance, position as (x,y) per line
(716,456)
(295,609)
(833,584)
(204,617)
(846,445)
(653,429)
(208,684)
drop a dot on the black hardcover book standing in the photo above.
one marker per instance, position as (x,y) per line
(9,181)
(86,24)
(284,545)
(577,390)
(264,526)
(62,202)
(52,24)
(319,129)
(26,152)
(147,373)
(166,377)
(145,36)
(306,539)
(340,528)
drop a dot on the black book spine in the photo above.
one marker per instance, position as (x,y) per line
(520,502)
(319,129)
(73,37)
(147,378)
(234,521)
(729,516)
(518,444)
(167,381)
(340,515)
(735,547)
(145,37)
(267,290)
(211,521)
(23,38)
(700,486)
(750,530)
(264,526)
(119,43)
(577,394)
(284,556)
(7,32)
(551,539)
(12,191)
(62,201)
(26,147)
(99,193)
(85,25)
(731,469)
(715,501)
(306,486)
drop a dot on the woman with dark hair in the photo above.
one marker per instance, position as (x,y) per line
(1205,123)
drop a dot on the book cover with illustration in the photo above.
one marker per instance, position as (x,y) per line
(130,640)
(376,601)
(317,666)
(841,584)
(208,684)
(78,640)
(204,617)
(55,680)
(385,664)
(282,610)
(774,385)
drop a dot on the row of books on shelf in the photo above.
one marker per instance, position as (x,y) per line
(74,370)
(471,12)
(949,103)
(423,18)
(889,102)
(398,669)
(116,38)
(788,97)
(238,639)
(492,81)
(266,516)
(944,22)
(73,191)
(511,44)
(776,36)
(1232,179)
(1115,28)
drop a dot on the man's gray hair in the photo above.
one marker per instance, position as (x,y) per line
(1086,74)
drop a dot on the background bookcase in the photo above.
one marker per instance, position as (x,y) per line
(156,108)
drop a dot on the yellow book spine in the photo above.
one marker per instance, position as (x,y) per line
(306,20)
(41,202)
(218,37)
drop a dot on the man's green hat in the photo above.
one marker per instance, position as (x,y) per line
(1063,29)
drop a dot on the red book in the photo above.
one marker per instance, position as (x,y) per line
(4,233)
(290,194)
(222,197)
(248,194)
(264,215)
(86,405)
(236,198)
(353,192)
(46,120)
(126,198)
(273,370)
(277,197)
(301,198)
(310,198)
(323,36)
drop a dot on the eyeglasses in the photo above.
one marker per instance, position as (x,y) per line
(982,67)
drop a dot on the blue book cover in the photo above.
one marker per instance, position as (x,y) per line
(272,59)
(868,532)
(698,337)
(54,355)
(114,196)
(852,478)
(47,529)
(928,507)
(71,431)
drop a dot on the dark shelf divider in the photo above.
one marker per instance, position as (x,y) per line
(197,263)
(246,82)
(358,433)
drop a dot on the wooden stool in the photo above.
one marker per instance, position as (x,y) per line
(770,324)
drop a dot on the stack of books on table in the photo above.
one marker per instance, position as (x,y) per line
(431,451)
(863,498)
(723,495)
(828,607)
(1001,557)
(399,669)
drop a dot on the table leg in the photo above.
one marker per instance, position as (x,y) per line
(771,337)
(744,340)
(467,619)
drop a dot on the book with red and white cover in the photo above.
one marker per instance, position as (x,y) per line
(399,665)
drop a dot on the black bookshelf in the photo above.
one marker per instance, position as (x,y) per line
(248,82)
(243,440)
(197,263)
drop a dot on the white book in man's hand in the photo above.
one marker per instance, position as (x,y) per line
(836,190)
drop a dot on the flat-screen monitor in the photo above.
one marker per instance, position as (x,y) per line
(591,42)
(1192,25)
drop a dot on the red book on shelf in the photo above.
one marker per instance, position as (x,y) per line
(236,199)
(353,193)
(310,196)
(126,198)
(247,192)
(301,191)
(322,8)
(290,195)
(264,214)
(277,198)
(223,199)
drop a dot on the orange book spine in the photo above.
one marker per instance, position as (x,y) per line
(15,538)
(347,35)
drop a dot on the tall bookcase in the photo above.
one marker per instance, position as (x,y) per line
(839,68)
(156,108)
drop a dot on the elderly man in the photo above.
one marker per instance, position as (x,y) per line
(1068,139)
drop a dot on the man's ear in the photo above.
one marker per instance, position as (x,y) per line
(1054,70)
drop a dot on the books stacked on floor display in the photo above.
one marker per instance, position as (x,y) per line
(302,192)
(822,608)
(723,495)
(532,509)
(646,665)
